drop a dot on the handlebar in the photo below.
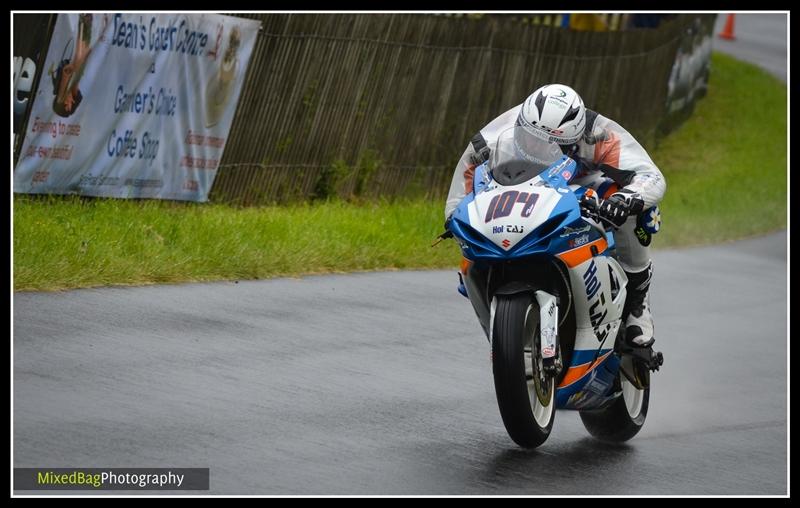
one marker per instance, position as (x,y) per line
(590,207)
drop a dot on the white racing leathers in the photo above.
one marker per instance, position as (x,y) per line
(608,157)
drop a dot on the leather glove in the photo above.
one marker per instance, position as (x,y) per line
(613,211)
(616,209)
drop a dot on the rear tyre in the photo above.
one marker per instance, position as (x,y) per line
(525,394)
(625,417)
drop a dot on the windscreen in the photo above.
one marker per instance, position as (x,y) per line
(520,155)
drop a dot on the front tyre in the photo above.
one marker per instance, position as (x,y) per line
(525,394)
(625,417)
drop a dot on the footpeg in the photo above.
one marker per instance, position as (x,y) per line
(656,360)
(653,360)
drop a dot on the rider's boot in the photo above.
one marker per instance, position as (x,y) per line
(639,323)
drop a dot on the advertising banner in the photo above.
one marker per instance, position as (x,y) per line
(135,105)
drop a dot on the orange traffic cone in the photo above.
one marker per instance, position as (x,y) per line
(727,32)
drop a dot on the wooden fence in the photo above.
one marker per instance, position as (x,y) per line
(369,105)
(384,104)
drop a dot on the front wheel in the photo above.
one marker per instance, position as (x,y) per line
(625,417)
(525,393)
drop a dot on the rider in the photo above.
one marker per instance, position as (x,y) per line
(610,161)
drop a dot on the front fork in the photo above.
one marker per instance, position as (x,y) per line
(549,348)
(473,285)
(548,328)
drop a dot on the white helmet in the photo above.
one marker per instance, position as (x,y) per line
(555,113)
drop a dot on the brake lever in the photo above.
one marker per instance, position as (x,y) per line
(590,207)
(444,236)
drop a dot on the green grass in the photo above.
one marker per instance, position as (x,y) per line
(72,242)
(726,166)
(725,169)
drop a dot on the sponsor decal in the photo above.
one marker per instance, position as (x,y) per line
(506,243)
(513,228)
(591,281)
(548,342)
(597,313)
(497,230)
(601,332)
(538,129)
(596,385)
(554,171)
(577,242)
(557,132)
(597,300)
(574,231)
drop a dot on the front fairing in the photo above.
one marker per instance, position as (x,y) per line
(504,222)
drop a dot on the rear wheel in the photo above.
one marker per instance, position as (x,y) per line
(625,417)
(525,394)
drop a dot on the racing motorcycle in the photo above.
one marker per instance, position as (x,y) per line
(540,272)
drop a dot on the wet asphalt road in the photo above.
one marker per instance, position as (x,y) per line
(380,383)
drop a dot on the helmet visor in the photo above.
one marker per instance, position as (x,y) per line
(520,155)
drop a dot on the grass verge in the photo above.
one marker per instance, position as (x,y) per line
(72,242)
(725,168)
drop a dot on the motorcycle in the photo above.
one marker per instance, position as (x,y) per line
(540,272)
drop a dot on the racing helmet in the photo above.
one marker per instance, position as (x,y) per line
(555,113)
